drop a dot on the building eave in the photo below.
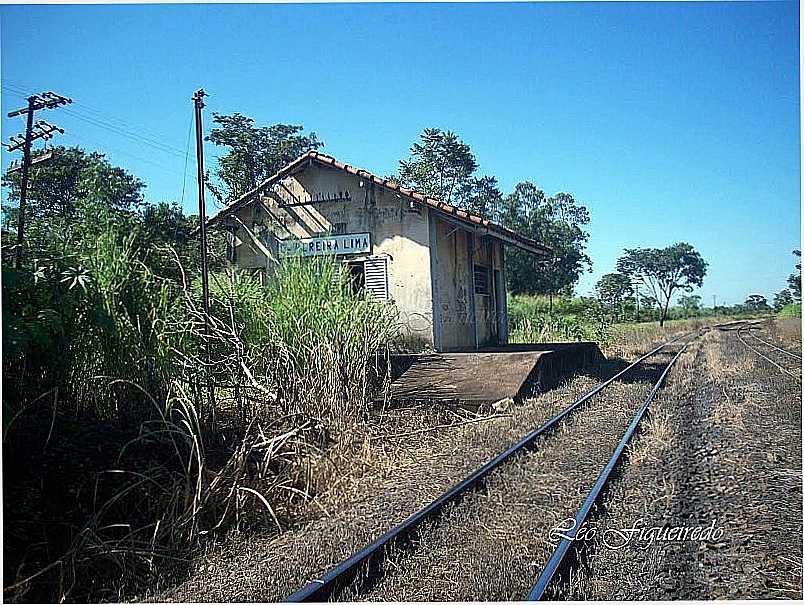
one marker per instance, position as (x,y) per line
(462,216)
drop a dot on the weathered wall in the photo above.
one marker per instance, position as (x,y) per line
(454,286)
(457,250)
(397,231)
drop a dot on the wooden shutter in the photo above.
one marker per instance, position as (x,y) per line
(376,276)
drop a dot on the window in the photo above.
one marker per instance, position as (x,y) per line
(370,274)
(481,277)
(376,276)
(357,275)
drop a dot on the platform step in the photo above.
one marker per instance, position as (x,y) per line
(489,375)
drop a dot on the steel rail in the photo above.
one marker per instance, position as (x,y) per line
(556,561)
(340,576)
(766,358)
(773,346)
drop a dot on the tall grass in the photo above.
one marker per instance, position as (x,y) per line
(534,319)
(331,344)
(238,435)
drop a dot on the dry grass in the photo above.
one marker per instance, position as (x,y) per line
(733,459)
(630,340)
(492,545)
(788,331)
(406,458)
(658,437)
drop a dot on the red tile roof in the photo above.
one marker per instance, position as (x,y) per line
(455,212)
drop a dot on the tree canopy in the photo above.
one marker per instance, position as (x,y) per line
(781,299)
(794,281)
(444,167)
(556,221)
(254,152)
(664,271)
(613,289)
(757,302)
(71,196)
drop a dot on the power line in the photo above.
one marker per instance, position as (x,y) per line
(134,136)
(187,156)
(105,147)
(100,115)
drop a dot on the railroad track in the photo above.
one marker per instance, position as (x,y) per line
(361,570)
(560,560)
(775,355)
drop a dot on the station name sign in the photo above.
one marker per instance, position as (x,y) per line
(351,243)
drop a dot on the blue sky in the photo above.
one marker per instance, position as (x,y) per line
(670,121)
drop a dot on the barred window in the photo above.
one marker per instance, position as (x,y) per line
(481,276)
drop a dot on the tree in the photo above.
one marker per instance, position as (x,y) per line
(255,153)
(782,299)
(557,222)
(71,197)
(691,304)
(440,166)
(613,289)
(757,303)
(164,226)
(794,281)
(443,167)
(664,271)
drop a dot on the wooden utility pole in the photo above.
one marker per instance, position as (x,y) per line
(47,100)
(26,167)
(198,99)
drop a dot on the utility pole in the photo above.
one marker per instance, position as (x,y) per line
(198,100)
(47,100)
(636,296)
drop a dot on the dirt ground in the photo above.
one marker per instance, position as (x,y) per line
(723,449)
(722,444)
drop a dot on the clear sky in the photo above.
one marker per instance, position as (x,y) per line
(670,121)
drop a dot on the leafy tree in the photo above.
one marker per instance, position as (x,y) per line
(168,235)
(690,304)
(440,165)
(613,289)
(443,166)
(254,153)
(481,196)
(664,271)
(557,222)
(782,299)
(71,197)
(756,303)
(794,281)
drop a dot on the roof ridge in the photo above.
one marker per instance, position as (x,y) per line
(392,185)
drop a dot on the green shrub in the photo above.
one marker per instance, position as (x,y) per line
(572,319)
(793,310)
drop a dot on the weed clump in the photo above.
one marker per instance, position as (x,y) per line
(217,421)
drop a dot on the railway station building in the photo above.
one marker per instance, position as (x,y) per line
(442,267)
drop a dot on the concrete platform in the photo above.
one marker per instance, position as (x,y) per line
(490,374)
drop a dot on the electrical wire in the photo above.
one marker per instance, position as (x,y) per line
(107,125)
(186,157)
